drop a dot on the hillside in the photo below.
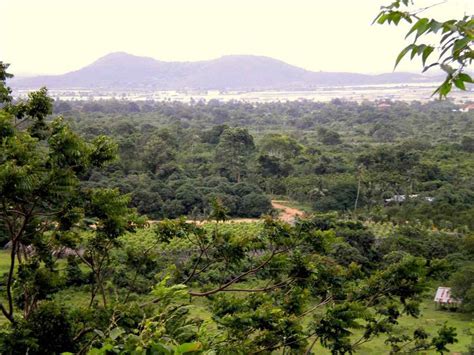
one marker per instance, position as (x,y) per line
(237,72)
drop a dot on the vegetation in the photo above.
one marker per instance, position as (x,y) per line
(116,221)
(87,272)
(344,156)
(454,42)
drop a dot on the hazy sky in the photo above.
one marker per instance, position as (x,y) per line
(56,36)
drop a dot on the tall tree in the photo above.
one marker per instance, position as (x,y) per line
(41,162)
(233,151)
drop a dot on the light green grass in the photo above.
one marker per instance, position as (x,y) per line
(4,261)
(431,320)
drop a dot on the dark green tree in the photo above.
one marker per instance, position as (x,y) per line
(233,152)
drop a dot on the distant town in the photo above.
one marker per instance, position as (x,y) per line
(422,92)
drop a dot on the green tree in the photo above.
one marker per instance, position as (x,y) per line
(463,286)
(160,152)
(329,137)
(41,198)
(467,144)
(233,152)
(280,146)
(108,217)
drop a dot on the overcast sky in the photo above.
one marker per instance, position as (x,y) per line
(56,36)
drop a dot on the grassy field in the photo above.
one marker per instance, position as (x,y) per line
(431,319)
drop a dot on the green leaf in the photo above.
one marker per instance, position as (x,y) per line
(426,53)
(459,83)
(381,18)
(448,26)
(444,88)
(188,347)
(460,44)
(466,78)
(414,52)
(159,348)
(421,25)
(116,332)
(396,18)
(402,54)
(435,26)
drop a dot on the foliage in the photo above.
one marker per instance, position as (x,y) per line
(455,39)
(48,330)
(463,286)
(175,286)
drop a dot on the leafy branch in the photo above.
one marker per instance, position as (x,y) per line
(455,40)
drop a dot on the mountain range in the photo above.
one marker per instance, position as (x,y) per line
(122,71)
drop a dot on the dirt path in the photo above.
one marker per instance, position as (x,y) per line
(287,214)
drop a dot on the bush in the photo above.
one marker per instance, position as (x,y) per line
(74,274)
(463,287)
(254,205)
(48,330)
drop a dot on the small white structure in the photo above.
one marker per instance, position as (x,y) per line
(396,198)
(443,297)
(403,198)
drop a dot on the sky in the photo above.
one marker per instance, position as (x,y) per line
(57,36)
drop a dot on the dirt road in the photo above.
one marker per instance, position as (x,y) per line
(287,214)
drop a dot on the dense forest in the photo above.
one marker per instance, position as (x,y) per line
(176,158)
(117,223)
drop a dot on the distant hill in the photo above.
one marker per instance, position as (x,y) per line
(235,72)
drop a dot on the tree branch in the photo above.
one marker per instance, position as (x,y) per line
(238,278)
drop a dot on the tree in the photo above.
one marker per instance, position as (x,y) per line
(463,286)
(467,144)
(280,146)
(233,151)
(455,42)
(159,152)
(108,217)
(329,137)
(42,202)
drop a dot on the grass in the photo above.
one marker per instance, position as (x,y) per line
(4,261)
(431,320)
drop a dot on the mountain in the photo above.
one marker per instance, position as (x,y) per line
(234,72)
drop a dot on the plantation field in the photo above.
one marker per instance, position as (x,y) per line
(241,229)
